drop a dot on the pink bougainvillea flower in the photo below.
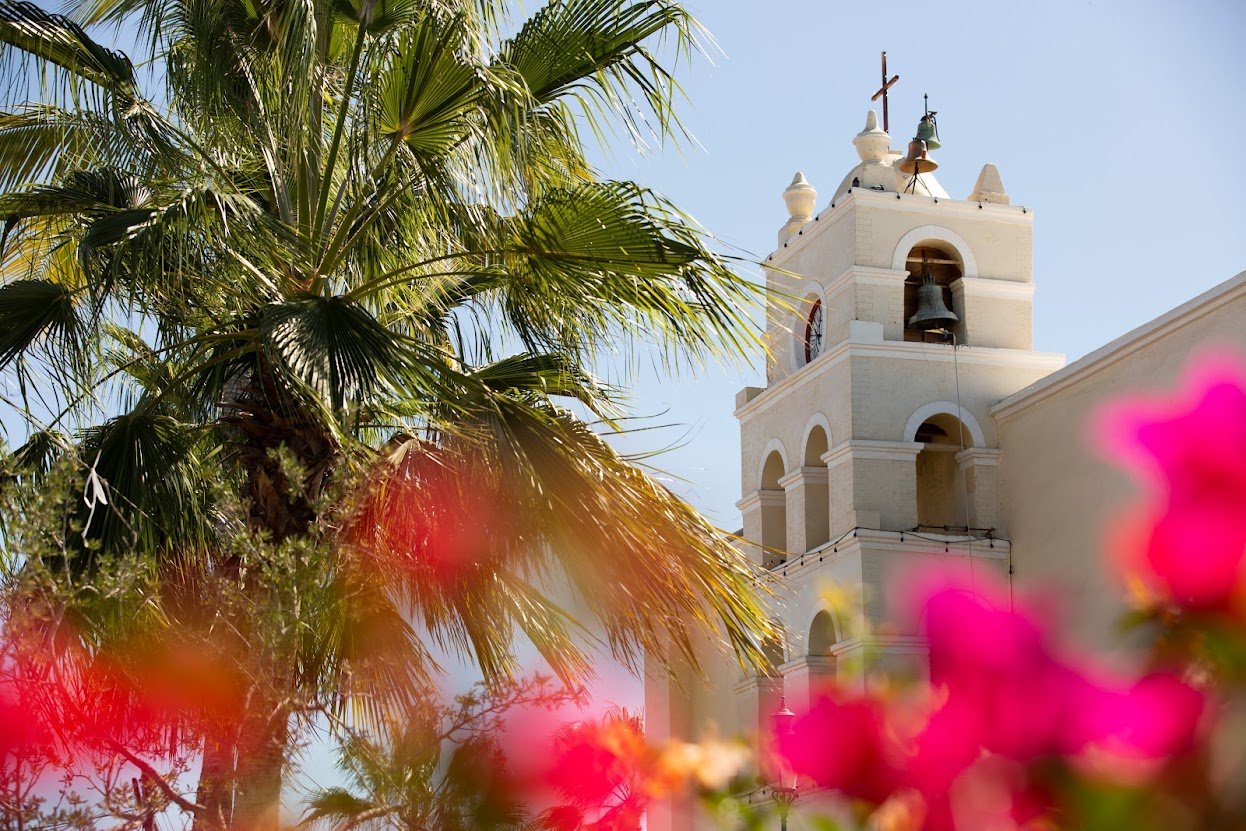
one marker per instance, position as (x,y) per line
(1153,719)
(1190,450)
(844,743)
(604,770)
(1006,690)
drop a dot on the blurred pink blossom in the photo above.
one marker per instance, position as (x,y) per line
(844,743)
(1000,691)
(1189,448)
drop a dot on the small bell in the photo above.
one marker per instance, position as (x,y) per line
(918,160)
(928,132)
(932,312)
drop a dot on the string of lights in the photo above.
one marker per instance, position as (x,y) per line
(821,551)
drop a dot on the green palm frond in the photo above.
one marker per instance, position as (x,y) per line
(617,535)
(609,257)
(142,488)
(37,310)
(591,53)
(43,142)
(336,804)
(82,192)
(428,93)
(59,41)
(39,453)
(337,352)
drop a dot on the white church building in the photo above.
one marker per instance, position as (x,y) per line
(900,424)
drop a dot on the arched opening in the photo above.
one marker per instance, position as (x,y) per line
(773,511)
(817,496)
(946,268)
(822,635)
(820,662)
(942,490)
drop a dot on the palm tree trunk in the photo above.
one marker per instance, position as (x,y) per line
(241,777)
(261,762)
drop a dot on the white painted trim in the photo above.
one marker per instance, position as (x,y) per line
(820,607)
(868,275)
(944,408)
(936,232)
(772,446)
(762,498)
(978,457)
(902,350)
(755,683)
(937,205)
(804,476)
(900,203)
(887,451)
(1187,314)
(809,664)
(994,288)
(816,420)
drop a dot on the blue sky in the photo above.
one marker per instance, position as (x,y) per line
(1121,124)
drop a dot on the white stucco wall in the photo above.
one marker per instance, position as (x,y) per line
(1056,491)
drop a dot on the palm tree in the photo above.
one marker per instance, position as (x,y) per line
(437,767)
(297,335)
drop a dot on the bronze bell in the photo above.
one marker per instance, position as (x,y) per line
(918,159)
(932,312)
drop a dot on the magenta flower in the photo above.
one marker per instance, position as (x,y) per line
(1190,450)
(843,743)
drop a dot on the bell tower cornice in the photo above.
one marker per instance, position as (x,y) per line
(935,207)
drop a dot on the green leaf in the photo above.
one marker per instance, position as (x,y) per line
(430,89)
(143,490)
(58,40)
(335,351)
(590,52)
(31,309)
(91,192)
(601,259)
(336,804)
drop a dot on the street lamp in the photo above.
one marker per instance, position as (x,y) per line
(783,792)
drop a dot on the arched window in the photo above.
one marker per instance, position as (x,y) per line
(814,322)
(822,635)
(820,662)
(942,490)
(945,267)
(773,511)
(816,493)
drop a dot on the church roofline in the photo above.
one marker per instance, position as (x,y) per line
(903,202)
(1105,356)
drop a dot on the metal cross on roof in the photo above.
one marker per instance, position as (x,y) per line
(882,92)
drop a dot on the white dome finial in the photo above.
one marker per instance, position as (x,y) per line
(800,197)
(872,143)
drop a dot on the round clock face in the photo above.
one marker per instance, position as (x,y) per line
(813,332)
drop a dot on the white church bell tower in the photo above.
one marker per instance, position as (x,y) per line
(899,316)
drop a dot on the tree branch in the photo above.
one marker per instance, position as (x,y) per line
(154,775)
